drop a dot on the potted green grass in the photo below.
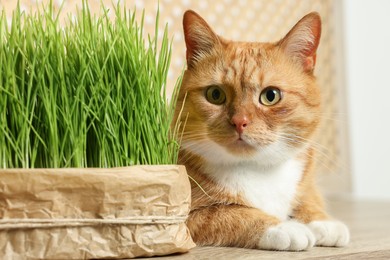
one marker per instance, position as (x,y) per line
(87,152)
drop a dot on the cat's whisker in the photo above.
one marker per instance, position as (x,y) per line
(303,140)
(190,147)
(204,136)
(317,148)
(291,138)
(308,154)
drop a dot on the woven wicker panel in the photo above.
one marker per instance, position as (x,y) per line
(252,20)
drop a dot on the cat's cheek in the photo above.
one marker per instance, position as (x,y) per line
(330,233)
(287,236)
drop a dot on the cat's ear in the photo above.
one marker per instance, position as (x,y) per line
(302,41)
(199,37)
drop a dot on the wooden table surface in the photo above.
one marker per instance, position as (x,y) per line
(369,223)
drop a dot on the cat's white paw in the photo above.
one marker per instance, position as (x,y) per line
(287,236)
(330,233)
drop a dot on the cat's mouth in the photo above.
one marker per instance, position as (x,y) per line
(241,138)
(240,147)
(241,143)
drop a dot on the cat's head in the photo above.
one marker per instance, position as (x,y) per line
(246,101)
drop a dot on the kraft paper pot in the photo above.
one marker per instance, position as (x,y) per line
(76,213)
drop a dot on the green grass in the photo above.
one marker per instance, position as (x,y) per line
(88,94)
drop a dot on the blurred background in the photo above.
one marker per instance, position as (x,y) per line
(352,70)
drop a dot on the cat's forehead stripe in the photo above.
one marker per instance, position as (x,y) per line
(229,74)
(252,69)
(243,68)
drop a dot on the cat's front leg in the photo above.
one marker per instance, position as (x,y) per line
(239,226)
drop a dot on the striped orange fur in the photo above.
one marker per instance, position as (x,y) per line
(251,110)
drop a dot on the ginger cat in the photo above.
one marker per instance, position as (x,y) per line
(251,110)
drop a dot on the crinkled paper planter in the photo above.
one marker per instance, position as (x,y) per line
(74,213)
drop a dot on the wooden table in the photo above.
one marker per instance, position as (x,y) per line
(369,223)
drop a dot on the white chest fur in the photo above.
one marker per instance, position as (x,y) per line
(270,189)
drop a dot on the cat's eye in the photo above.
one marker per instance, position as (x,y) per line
(215,95)
(270,96)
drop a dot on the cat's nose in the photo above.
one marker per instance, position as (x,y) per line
(240,123)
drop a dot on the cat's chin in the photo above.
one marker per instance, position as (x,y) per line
(240,147)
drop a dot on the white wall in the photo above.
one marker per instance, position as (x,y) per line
(367,50)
